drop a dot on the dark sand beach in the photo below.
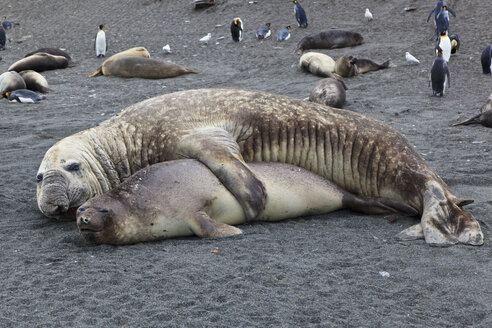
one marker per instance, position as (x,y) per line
(322,271)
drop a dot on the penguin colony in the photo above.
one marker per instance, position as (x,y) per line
(439,78)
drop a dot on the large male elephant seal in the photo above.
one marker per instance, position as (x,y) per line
(132,52)
(40,62)
(183,197)
(330,39)
(225,128)
(145,68)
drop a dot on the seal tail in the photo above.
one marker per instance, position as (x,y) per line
(46,90)
(97,72)
(474,120)
(71,63)
(189,70)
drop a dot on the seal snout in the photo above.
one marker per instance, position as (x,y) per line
(91,219)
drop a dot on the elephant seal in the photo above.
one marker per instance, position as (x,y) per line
(35,81)
(318,64)
(132,52)
(225,128)
(367,65)
(183,198)
(345,66)
(145,68)
(330,39)
(39,62)
(329,92)
(54,52)
(10,81)
(484,117)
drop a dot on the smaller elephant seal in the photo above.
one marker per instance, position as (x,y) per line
(10,81)
(330,92)
(330,39)
(183,198)
(484,117)
(35,81)
(40,62)
(54,52)
(318,64)
(132,52)
(345,66)
(367,65)
(145,68)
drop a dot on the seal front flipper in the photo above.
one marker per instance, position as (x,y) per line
(413,233)
(203,226)
(219,151)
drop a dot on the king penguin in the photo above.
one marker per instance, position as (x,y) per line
(445,45)
(439,74)
(23,96)
(439,5)
(263,31)
(100,44)
(300,14)
(237,29)
(455,43)
(487,59)
(283,34)
(3,38)
(6,24)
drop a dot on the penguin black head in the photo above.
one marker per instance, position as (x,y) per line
(101,26)
(236,21)
(5,95)
(443,33)
(267,24)
(288,27)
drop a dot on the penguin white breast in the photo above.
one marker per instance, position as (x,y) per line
(26,100)
(268,34)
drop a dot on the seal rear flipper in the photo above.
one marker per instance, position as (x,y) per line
(474,120)
(218,150)
(203,226)
(413,233)
(97,72)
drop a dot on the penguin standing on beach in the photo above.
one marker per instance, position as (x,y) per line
(283,34)
(440,5)
(442,22)
(23,96)
(301,16)
(486,59)
(3,38)
(439,74)
(100,44)
(445,45)
(263,31)
(237,29)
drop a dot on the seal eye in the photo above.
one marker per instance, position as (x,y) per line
(73,167)
(39,177)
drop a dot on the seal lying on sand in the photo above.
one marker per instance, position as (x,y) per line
(484,117)
(225,128)
(54,52)
(183,197)
(145,68)
(347,66)
(35,81)
(132,52)
(10,81)
(318,64)
(330,39)
(329,92)
(39,62)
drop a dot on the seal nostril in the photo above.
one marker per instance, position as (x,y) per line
(86,220)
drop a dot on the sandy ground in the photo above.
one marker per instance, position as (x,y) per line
(309,272)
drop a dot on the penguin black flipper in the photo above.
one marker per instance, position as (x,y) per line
(430,14)
(446,70)
(452,12)
(486,59)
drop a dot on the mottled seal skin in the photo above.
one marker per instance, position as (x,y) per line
(225,128)
(35,81)
(132,52)
(329,92)
(10,81)
(183,197)
(145,68)
(318,64)
(54,52)
(484,117)
(330,39)
(39,62)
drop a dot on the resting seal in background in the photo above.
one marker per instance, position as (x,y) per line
(35,81)
(40,62)
(183,197)
(225,128)
(54,52)
(132,52)
(329,92)
(484,117)
(10,81)
(145,68)
(330,39)
(348,66)
(318,64)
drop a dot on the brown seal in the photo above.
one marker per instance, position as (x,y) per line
(330,39)
(225,128)
(330,92)
(132,52)
(366,65)
(484,117)
(54,52)
(345,66)
(35,81)
(145,68)
(39,62)
(183,197)
(10,81)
